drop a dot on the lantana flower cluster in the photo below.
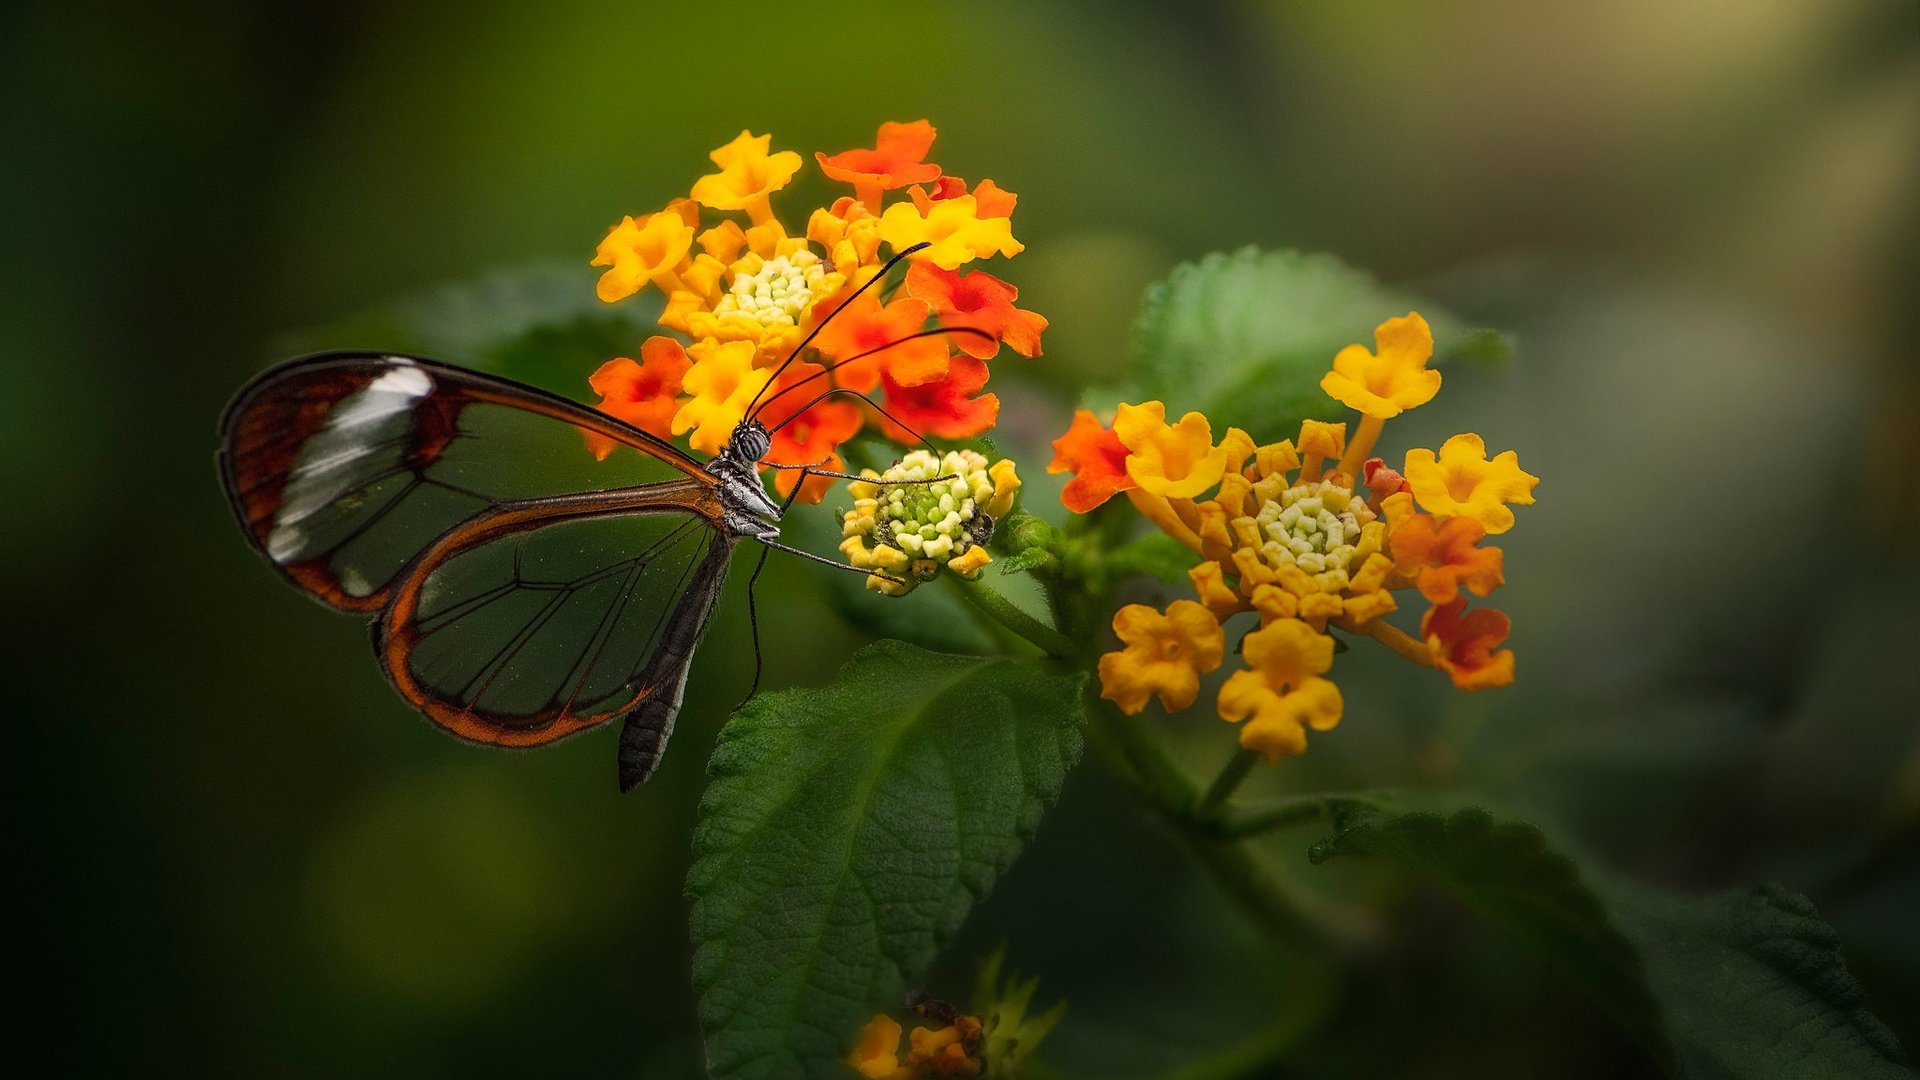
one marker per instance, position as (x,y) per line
(993,1041)
(1307,534)
(926,513)
(743,290)
(952,1050)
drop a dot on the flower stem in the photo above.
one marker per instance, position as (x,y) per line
(1401,642)
(1360,446)
(1225,784)
(984,599)
(1284,911)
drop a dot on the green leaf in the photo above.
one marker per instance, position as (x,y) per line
(847,831)
(1739,985)
(1506,871)
(541,324)
(1245,337)
(1754,985)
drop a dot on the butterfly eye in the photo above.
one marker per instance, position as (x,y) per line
(751,441)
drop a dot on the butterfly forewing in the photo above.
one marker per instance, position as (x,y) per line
(344,467)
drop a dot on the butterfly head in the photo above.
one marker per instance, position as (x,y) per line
(749,441)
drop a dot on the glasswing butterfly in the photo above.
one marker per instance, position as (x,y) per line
(521,591)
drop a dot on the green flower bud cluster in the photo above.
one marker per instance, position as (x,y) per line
(924,513)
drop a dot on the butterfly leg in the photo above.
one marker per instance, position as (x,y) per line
(753,622)
(753,611)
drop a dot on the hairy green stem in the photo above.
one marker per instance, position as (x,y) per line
(1280,908)
(1005,612)
(1224,785)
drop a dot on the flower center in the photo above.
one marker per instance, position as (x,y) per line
(778,292)
(1312,526)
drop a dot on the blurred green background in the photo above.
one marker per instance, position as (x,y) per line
(245,856)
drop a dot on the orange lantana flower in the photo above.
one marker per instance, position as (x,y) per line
(981,301)
(645,394)
(1464,647)
(868,323)
(1097,459)
(807,431)
(1443,557)
(898,158)
(990,199)
(745,293)
(946,407)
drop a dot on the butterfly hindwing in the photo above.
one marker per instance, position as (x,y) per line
(517,632)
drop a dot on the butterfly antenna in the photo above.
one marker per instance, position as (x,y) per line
(838,308)
(825,394)
(915,336)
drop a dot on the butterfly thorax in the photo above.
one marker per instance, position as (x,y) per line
(749,510)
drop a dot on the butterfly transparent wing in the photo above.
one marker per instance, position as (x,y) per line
(344,467)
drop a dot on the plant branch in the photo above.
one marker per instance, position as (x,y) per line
(1281,909)
(984,599)
(1223,786)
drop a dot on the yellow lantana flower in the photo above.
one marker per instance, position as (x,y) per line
(954,228)
(723,382)
(1281,693)
(748,176)
(1391,379)
(1164,657)
(651,248)
(1462,482)
(1175,461)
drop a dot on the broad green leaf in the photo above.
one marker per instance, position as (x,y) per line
(1745,984)
(1753,985)
(1506,871)
(542,325)
(1245,336)
(847,831)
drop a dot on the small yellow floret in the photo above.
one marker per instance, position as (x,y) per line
(1461,482)
(953,227)
(1393,378)
(723,382)
(1164,655)
(748,175)
(1281,693)
(1174,461)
